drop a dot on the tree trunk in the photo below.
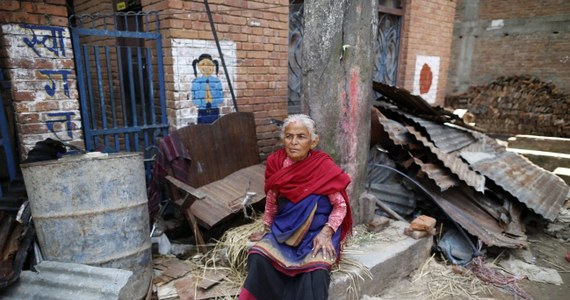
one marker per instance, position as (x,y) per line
(337,82)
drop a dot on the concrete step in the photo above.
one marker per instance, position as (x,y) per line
(540,143)
(545,159)
(563,173)
(389,259)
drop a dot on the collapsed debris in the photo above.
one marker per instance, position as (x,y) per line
(479,185)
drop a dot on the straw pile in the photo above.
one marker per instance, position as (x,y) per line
(433,281)
(230,253)
(436,281)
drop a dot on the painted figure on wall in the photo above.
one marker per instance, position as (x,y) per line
(207,93)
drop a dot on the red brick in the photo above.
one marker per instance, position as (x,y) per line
(11,5)
(36,128)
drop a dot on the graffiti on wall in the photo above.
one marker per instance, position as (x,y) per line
(42,79)
(51,88)
(426,77)
(207,92)
(52,39)
(62,119)
(199,81)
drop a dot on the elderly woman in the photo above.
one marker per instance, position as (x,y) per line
(307,215)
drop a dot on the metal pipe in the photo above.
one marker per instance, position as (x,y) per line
(220,52)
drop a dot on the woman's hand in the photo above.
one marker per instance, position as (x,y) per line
(323,242)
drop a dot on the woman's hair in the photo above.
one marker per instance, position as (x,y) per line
(305,120)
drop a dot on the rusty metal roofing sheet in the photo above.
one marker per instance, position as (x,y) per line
(458,166)
(540,190)
(396,131)
(442,177)
(58,280)
(387,185)
(404,99)
(445,138)
(462,209)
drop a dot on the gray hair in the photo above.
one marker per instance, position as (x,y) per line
(305,120)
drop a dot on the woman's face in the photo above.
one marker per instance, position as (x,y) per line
(297,141)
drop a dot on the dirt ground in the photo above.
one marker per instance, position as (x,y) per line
(549,252)
(438,280)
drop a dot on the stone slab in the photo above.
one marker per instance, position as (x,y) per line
(389,260)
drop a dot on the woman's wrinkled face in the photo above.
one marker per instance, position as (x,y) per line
(297,141)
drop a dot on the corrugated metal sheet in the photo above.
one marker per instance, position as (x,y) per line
(443,178)
(541,191)
(396,131)
(453,162)
(459,206)
(457,202)
(404,99)
(386,185)
(57,280)
(474,158)
(396,196)
(445,138)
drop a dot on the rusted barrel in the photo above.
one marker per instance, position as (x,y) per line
(92,209)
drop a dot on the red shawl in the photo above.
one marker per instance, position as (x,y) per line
(316,174)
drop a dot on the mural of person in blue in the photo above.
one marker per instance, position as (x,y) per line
(207,92)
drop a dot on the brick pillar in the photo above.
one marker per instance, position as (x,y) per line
(38,60)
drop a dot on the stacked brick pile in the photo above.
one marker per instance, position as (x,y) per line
(517,105)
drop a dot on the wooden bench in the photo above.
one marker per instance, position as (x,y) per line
(225,170)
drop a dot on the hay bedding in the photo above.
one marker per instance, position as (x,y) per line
(433,281)
(229,255)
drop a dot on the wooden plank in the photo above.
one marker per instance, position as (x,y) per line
(221,148)
(188,189)
(222,195)
(210,279)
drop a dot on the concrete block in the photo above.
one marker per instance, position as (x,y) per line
(388,260)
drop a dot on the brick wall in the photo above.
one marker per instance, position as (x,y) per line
(505,9)
(428,28)
(507,39)
(253,36)
(254,41)
(38,60)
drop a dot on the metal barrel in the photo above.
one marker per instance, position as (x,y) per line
(92,209)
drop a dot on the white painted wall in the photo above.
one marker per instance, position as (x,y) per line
(184,51)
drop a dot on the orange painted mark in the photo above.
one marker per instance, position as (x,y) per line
(426,78)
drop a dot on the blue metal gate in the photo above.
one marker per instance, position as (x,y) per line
(5,143)
(120,77)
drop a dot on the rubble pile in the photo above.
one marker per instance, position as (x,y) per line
(517,105)
(468,179)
